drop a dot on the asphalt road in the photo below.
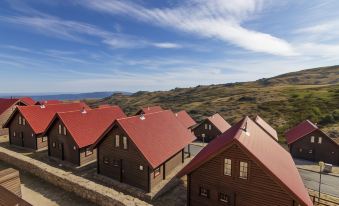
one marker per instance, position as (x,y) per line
(329,184)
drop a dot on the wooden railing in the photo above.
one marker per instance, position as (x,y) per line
(324,202)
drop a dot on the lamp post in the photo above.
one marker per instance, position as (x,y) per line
(321,164)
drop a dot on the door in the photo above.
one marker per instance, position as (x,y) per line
(61,150)
(121,171)
(22,139)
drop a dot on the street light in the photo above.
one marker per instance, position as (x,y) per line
(321,165)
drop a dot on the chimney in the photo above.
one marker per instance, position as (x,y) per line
(142,117)
(42,106)
(83,110)
(245,130)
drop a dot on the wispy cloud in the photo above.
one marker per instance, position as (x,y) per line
(216,19)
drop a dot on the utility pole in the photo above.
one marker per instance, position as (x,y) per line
(320,172)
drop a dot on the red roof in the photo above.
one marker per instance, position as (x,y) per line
(27,100)
(51,101)
(266,152)
(219,122)
(39,117)
(158,136)
(300,131)
(265,126)
(87,126)
(185,119)
(148,110)
(6,103)
(104,105)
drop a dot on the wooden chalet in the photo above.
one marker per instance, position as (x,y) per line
(244,166)
(266,127)
(210,128)
(27,123)
(50,101)
(307,141)
(10,188)
(142,150)
(148,110)
(71,134)
(185,119)
(7,106)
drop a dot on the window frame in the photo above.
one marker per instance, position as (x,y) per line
(210,127)
(227,171)
(125,142)
(44,139)
(117,140)
(23,121)
(59,129)
(206,126)
(105,160)
(53,144)
(312,139)
(204,192)
(88,151)
(156,172)
(242,172)
(20,119)
(320,140)
(224,198)
(65,131)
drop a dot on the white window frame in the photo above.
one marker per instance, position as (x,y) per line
(14,134)
(320,140)
(117,140)
(228,167)
(88,151)
(312,139)
(203,192)
(23,121)
(209,127)
(124,142)
(60,128)
(223,197)
(141,167)
(20,119)
(206,126)
(243,170)
(65,131)
(44,138)
(157,172)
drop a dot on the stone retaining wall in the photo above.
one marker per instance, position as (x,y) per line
(84,188)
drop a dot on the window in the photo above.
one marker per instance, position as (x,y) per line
(19,119)
(14,134)
(243,170)
(312,139)
(44,139)
(125,142)
(204,192)
(141,167)
(88,151)
(60,146)
(65,131)
(320,139)
(310,151)
(157,172)
(205,126)
(210,127)
(23,121)
(74,148)
(59,128)
(203,135)
(106,160)
(117,140)
(223,197)
(115,163)
(227,167)
(300,149)
(53,144)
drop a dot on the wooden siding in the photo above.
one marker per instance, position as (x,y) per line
(10,180)
(327,151)
(7,198)
(24,135)
(61,146)
(128,161)
(87,158)
(209,134)
(173,163)
(258,189)
(6,114)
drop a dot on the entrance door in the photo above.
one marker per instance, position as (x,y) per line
(121,172)
(61,151)
(22,139)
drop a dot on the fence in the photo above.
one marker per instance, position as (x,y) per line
(324,202)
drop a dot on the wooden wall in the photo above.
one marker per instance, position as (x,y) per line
(209,134)
(10,179)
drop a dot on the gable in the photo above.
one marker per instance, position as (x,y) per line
(326,140)
(54,129)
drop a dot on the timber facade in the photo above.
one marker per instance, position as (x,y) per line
(206,131)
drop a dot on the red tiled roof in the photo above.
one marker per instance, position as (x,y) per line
(266,152)
(86,127)
(158,136)
(6,103)
(27,100)
(148,110)
(265,126)
(185,119)
(51,101)
(219,122)
(104,105)
(300,131)
(39,117)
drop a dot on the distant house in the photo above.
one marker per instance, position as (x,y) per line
(266,127)
(27,123)
(71,134)
(307,141)
(185,119)
(210,128)
(142,150)
(7,106)
(10,188)
(244,166)
(148,110)
(51,101)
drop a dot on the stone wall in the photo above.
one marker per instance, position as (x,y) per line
(82,187)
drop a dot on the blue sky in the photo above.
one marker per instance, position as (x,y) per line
(102,45)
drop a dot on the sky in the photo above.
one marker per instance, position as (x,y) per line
(110,45)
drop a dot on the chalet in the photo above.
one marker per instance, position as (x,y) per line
(7,106)
(71,134)
(307,141)
(266,127)
(185,119)
(210,128)
(27,124)
(51,101)
(244,166)
(148,110)
(142,150)
(10,188)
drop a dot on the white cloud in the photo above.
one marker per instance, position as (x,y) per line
(167,45)
(216,19)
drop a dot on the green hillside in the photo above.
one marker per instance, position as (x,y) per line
(283,100)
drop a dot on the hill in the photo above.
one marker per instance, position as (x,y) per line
(283,100)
